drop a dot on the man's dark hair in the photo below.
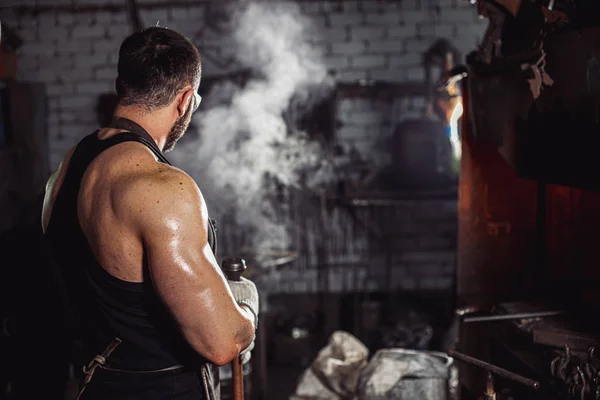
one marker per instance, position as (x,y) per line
(154,65)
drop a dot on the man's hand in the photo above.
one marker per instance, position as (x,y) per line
(247,353)
(245,293)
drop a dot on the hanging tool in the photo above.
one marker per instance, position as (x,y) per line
(233,268)
(591,368)
(558,366)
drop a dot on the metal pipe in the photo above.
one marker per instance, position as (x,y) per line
(494,369)
(505,317)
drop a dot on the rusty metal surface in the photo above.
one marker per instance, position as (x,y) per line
(572,258)
(566,242)
(496,227)
(511,258)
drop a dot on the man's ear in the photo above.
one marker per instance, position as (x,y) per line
(185,101)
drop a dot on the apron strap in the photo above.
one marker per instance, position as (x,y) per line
(143,135)
(96,362)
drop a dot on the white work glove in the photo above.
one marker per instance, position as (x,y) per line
(244,292)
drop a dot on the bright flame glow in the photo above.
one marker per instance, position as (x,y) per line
(454,138)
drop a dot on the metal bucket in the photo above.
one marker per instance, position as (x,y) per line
(406,375)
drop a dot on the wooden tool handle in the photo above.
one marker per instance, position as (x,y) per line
(233,269)
(238,379)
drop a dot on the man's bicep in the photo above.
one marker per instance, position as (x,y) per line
(181,264)
(174,238)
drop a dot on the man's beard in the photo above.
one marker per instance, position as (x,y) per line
(178,130)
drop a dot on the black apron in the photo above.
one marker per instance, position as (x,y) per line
(108,305)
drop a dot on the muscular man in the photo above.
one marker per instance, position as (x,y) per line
(132,238)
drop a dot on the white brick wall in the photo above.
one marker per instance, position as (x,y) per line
(75,54)
(423,255)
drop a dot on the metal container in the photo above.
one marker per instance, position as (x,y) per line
(401,374)
(421,156)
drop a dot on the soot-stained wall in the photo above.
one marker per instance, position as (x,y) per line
(75,54)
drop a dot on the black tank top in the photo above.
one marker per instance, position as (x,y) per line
(103,306)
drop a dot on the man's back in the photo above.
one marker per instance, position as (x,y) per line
(107,186)
(113,191)
(134,243)
(101,256)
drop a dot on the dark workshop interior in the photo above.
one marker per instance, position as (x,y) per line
(413,184)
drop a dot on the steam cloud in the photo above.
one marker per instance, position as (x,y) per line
(243,135)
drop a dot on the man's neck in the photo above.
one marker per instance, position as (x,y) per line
(152,122)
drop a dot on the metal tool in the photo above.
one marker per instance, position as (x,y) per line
(589,368)
(233,268)
(559,365)
(584,383)
(504,317)
(494,369)
(564,364)
(581,380)
(578,383)
(591,371)
(490,392)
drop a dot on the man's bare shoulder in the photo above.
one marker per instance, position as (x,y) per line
(155,191)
